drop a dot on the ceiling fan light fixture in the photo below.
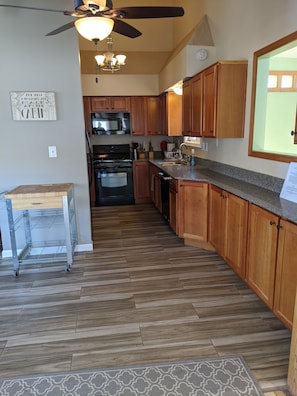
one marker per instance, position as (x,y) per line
(94,28)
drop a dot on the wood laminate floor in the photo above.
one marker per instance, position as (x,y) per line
(141,296)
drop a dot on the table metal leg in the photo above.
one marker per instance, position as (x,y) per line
(67,231)
(15,260)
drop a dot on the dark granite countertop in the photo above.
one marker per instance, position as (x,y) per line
(260,196)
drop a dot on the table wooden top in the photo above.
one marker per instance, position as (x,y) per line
(40,190)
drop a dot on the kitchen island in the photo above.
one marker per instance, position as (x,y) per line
(41,206)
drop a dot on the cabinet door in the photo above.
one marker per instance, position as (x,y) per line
(87,114)
(173,205)
(217,219)
(120,103)
(100,103)
(286,272)
(155,186)
(173,114)
(110,103)
(152,115)
(209,101)
(187,108)
(141,181)
(193,209)
(138,115)
(197,105)
(230,99)
(261,252)
(236,233)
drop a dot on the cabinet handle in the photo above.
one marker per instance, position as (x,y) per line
(279,227)
(271,222)
(293,133)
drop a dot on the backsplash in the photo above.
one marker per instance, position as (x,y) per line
(259,179)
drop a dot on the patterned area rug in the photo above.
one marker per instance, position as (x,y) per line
(227,376)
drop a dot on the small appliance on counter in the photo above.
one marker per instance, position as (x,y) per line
(168,149)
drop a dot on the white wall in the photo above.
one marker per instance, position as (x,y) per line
(240,28)
(32,62)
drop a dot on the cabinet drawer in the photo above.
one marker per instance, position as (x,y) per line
(25,203)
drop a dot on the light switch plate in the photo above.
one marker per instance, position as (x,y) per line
(52,151)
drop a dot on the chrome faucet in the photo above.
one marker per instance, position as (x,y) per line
(180,150)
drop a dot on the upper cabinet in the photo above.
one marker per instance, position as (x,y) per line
(187,108)
(214,101)
(145,115)
(171,114)
(110,103)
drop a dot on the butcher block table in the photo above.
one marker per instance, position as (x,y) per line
(40,207)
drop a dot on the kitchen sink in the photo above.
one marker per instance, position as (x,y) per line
(169,163)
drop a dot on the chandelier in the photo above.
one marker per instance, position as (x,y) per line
(108,62)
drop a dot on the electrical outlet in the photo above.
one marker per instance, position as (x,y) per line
(52,151)
(205,146)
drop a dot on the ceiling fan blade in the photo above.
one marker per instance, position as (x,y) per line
(148,12)
(125,29)
(61,29)
(33,8)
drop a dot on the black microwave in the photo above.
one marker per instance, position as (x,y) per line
(110,123)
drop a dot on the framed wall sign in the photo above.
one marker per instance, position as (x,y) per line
(33,106)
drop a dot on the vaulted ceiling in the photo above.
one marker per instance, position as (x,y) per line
(148,53)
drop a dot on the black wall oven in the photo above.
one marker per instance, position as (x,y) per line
(113,175)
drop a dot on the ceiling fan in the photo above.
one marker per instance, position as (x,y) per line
(95,10)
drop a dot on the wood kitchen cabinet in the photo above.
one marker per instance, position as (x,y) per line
(224,96)
(145,115)
(192,106)
(138,114)
(152,104)
(228,216)
(87,114)
(174,205)
(214,101)
(155,187)
(286,272)
(110,104)
(187,108)
(261,252)
(271,261)
(171,114)
(141,181)
(193,210)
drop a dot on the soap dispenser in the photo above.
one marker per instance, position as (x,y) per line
(192,159)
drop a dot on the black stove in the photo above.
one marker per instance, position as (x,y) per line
(111,153)
(113,167)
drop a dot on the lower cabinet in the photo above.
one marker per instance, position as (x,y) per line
(155,187)
(271,261)
(286,272)
(228,216)
(261,253)
(174,206)
(141,181)
(193,210)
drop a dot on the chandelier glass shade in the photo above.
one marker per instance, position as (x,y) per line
(109,62)
(94,28)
